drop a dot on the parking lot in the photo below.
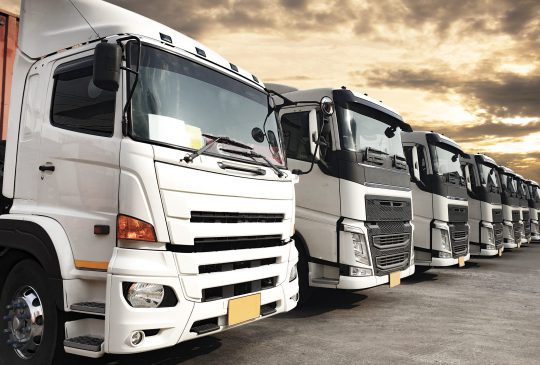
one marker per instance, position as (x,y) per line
(485,313)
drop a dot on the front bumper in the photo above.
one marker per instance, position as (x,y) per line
(172,325)
(364,282)
(441,262)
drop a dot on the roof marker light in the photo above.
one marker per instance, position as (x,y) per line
(234,67)
(255,78)
(165,38)
(200,52)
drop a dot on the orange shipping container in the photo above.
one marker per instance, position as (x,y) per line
(9,30)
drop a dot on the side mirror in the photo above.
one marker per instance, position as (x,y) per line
(313,133)
(327,106)
(468,177)
(416,166)
(107,62)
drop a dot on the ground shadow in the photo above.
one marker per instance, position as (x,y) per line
(327,300)
(169,356)
(470,265)
(420,277)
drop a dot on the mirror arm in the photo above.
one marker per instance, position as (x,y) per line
(136,73)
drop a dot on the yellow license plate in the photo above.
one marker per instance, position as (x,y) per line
(244,309)
(500,251)
(461,261)
(395,278)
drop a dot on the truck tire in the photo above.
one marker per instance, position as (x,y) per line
(305,291)
(29,320)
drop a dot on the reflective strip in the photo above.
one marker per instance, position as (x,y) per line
(91,265)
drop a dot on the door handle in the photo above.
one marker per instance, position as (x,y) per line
(43,168)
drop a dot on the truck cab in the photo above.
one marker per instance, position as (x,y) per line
(525,213)
(512,223)
(353,202)
(440,211)
(485,208)
(534,209)
(147,206)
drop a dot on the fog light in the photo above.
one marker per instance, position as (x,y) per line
(295,297)
(445,255)
(490,247)
(136,338)
(145,295)
(359,271)
(294,273)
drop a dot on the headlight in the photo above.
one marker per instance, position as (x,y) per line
(360,248)
(445,241)
(491,236)
(144,295)
(294,273)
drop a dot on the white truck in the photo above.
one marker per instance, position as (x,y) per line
(523,193)
(534,209)
(512,223)
(145,196)
(440,210)
(485,208)
(353,202)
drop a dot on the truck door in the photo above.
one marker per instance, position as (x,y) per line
(79,165)
(317,194)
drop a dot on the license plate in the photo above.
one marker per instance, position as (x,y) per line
(500,251)
(244,309)
(395,278)
(461,261)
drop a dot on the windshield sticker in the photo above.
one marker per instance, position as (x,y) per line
(174,131)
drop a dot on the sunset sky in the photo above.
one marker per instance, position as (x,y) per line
(468,69)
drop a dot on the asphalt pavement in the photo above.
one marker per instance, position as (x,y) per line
(485,313)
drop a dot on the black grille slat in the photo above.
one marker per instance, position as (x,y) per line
(391,240)
(230,266)
(232,217)
(229,291)
(211,244)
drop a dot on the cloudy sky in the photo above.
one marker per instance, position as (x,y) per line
(468,69)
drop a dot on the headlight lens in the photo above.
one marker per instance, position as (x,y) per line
(491,236)
(294,273)
(360,248)
(145,295)
(445,241)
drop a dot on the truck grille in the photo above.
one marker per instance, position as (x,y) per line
(498,231)
(517,232)
(459,237)
(393,210)
(209,244)
(230,217)
(228,291)
(458,213)
(527,223)
(390,244)
(516,216)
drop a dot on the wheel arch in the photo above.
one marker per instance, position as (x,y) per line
(301,242)
(38,238)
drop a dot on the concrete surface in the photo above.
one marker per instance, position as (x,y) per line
(485,313)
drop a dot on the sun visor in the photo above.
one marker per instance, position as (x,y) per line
(47,26)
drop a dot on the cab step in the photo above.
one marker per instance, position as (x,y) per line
(87,343)
(89,307)
(85,337)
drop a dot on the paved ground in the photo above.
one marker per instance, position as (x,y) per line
(485,313)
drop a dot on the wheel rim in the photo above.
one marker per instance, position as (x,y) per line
(26,321)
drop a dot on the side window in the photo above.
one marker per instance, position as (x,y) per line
(408,156)
(296,135)
(422,162)
(77,104)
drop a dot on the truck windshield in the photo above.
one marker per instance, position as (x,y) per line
(445,161)
(488,175)
(176,101)
(508,183)
(359,132)
(535,193)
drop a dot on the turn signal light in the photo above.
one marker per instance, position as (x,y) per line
(129,228)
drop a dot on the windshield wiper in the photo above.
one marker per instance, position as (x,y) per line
(223,139)
(253,154)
